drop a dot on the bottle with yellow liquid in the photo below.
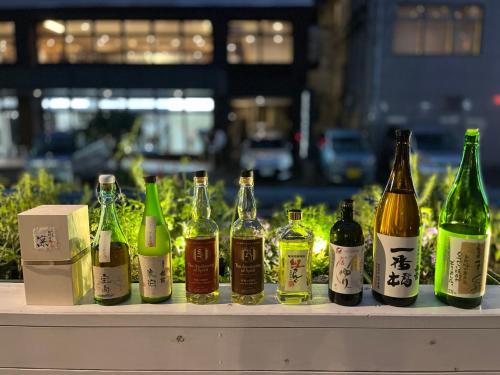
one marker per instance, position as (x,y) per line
(396,240)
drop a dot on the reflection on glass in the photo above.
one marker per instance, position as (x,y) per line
(7,43)
(260,42)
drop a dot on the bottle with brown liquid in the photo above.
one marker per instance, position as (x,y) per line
(396,241)
(110,252)
(202,247)
(247,247)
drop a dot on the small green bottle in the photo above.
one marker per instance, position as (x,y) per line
(154,249)
(110,252)
(295,253)
(464,234)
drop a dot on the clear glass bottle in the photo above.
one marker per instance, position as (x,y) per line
(396,240)
(110,252)
(247,247)
(202,247)
(347,249)
(464,234)
(155,249)
(295,261)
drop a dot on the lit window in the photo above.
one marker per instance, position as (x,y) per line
(7,43)
(125,42)
(437,30)
(260,42)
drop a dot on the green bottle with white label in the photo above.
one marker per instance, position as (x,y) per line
(155,249)
(464,234)
(110,252)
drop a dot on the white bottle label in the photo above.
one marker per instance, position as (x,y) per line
(105,246)
(150,231)
(396,266)
(154,276)
(296,271)
(346,269)
(467,267)
(111,282)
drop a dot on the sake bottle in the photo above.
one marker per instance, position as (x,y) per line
(110,251)
(202,247)
(345,285)
(295,243)
(247,247)
(396,240)
(154,249)
(464,234)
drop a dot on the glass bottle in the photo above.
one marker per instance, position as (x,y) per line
(202,247)
(396,241)
(110,252)
(247,247)
(295,261)
(154,249)
(347,249)
(464,234)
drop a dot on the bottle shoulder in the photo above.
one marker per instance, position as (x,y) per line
(295,232)
(201,227)
(247,227)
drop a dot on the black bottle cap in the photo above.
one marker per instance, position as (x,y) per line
(247,173)
(200,174)
(347,203)
(403,134)
(150,179)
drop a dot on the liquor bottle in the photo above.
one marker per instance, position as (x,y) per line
(464,234)
(202,247)
(396,240)
(110,252)
(295,253)
(154,249)
(347,249)
(247,247)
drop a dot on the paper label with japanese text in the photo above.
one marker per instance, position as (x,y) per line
(296,271)
(154,276)
(396,266)
(111,282)
(150,231)
(346,269)
(44,238)
(467,266)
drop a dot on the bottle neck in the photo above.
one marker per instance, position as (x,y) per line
(109,218)
(346,214)
(469,173)
(400,178)
(201,203)
(246,202)
(152,206)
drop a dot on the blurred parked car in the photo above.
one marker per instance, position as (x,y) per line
(437,150)
(53,153)
(268,157)
(345,157)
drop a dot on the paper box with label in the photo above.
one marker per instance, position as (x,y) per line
(55,252)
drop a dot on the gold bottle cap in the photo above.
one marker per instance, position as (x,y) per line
(295,214)
(200,177)
(246,177)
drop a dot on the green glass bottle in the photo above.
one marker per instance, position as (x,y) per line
(154,249)
(110,252)
(247,248)
(202,247)
(464,234)
(295,254)
(347,249)
(396,239)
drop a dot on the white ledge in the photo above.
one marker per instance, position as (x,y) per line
(176,337)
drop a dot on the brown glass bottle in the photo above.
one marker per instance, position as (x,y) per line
(396,241)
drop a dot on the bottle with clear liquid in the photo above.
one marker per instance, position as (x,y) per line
(295,253)
(347,249)
(202,247)
(464,234)
(110,251)
(396,240)
(247,247)
(154,249)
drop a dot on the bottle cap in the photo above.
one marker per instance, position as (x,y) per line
(107,179)
(150,179)
(472,136)
(200,177)
(403,133)
(295,214)
(246,173)
(200,174)
(347,204)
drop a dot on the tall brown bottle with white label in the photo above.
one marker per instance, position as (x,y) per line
(110,253)
(396,241)
(154,249)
